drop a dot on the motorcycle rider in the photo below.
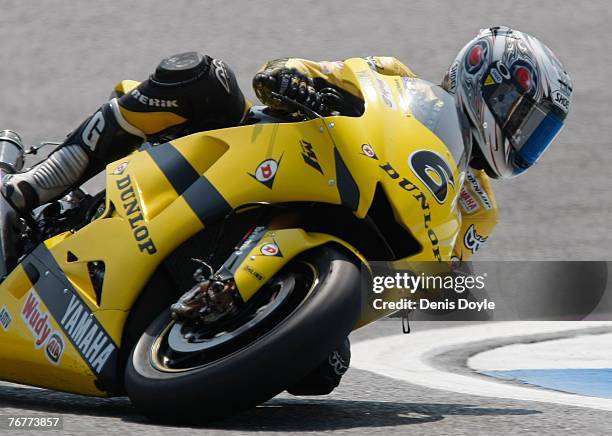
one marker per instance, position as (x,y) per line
(510,89)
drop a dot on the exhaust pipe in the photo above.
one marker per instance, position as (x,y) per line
(11,161)
(11,151)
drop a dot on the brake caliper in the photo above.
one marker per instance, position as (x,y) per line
(208,301)
(215,295)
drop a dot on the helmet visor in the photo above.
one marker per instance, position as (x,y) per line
(529,127)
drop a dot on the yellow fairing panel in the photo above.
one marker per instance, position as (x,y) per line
(273,251)
(36,349)
(389,146)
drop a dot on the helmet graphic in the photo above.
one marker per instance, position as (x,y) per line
(515,94)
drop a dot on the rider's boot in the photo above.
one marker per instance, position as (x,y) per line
(82,155)
(47,180)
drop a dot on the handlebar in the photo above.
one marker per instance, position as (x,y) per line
(310,113)
(332,99)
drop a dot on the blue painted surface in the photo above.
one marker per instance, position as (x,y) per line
(594,382)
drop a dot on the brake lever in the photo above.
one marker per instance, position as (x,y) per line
(302,107)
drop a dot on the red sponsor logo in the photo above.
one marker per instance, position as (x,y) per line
(468,203)
(269,249)
(266,170)
(36,320)
(265,173)
(39,324)
(55,348)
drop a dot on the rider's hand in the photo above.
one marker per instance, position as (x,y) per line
(290,83)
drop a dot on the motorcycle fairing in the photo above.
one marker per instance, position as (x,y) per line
(57,338)
(157,199)
(254,264)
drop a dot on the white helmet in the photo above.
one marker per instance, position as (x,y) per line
(515,94)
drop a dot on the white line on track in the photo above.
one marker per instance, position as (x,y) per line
(408,358)
(583,351)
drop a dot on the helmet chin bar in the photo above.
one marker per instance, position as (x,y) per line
(477,159)
(478,162)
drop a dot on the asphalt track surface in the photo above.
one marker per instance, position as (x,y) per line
(60,59)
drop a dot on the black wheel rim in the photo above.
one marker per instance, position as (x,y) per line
(185,347)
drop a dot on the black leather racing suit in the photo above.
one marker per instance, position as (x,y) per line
(187,93)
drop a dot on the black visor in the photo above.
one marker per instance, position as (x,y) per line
(530,127)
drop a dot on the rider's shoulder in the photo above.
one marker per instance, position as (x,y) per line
(124,87)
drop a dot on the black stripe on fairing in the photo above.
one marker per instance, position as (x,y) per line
(204,199)
(175,167)
(347,187)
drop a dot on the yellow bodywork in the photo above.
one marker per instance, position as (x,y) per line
(258,267)
(151,210)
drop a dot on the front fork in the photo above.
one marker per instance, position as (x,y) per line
(260,256)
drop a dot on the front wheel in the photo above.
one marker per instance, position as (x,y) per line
(192,373)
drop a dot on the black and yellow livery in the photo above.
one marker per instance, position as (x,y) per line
(384,185)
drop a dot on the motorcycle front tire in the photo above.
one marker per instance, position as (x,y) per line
(264,367)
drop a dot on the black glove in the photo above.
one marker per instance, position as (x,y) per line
(290,83)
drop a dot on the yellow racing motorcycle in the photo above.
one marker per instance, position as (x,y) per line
(258,233)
